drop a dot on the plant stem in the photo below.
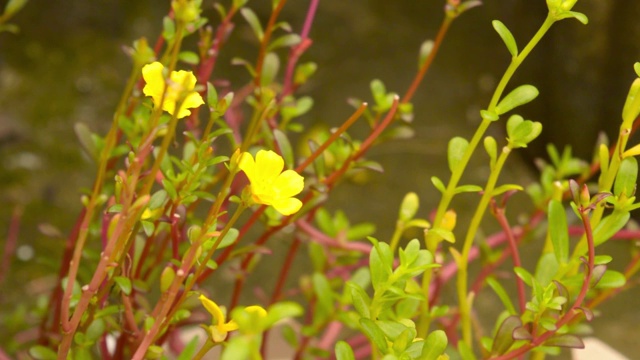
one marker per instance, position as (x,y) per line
(462,280)
(432,239)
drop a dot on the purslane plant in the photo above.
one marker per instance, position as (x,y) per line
(144,262)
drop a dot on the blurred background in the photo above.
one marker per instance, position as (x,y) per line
(67,66)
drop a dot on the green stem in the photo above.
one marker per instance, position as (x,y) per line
(432,240)
(462,281)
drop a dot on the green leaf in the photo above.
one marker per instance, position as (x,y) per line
(631,108)
(611,280)
(546,269)
(506,36)
(344,351)
(434,345)
(124,283)
(491,146)
(580,17)
(524,275)
(626,177)
(455,152)
(253,21)
(467,188)
(565,340)
(519,96)
(282,310)
(360,299)
(636,67)
(229,238)
(40,352)
(409,206)
(504,188)
(425,50)
(285,147)
(438,184)
(287,40)
(489,115)
(373,332)
(157,199)
(609,226)
(168,28)
(212,96)
(502,294)
(269,68)
(445,234)
(323,291)
(504,336)
(559,231)
(189,57)
(190,350)
(95,330)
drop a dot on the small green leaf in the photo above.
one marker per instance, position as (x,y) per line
(491,147)
(519,96)
(190,350)
(323,291)
(457,148)
(270,68)
(489,115)
(504,188)
(580,17)
(502,294)
(40,352)
(212,96)
(124,283)
(611,280)
(466,353)
(95,330)
(467,188)
(438,184)
(626,177)
(360,299)
(559,231)
(425,50)
(565,340)
(373,332)
(344,351)
(434,345)
(506,36)
(285,147)
(287,40)
(229,238)
(409,206)
(609,226)
(636,67)
(253,21)
(189,57)
(524,275)
(631,108)
(504,336)
(168,28)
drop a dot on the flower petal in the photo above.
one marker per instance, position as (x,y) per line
(287,206)
(152,74)
(288,184)
(248,165)
(213,309)
(268,165)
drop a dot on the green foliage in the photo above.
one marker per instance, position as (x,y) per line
(178,208)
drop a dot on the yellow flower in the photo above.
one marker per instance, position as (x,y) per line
(269,184)
(219,329)
(180,88)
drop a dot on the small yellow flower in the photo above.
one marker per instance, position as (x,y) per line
(269,184)
(180,88)
(218,329)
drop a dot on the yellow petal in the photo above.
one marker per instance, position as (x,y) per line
(287,206)
(248,165)
(256,309)
(268,165)
(288,184)
(213,309)
(152,74)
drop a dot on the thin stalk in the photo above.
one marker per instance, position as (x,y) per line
(431,239)
(462,280)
